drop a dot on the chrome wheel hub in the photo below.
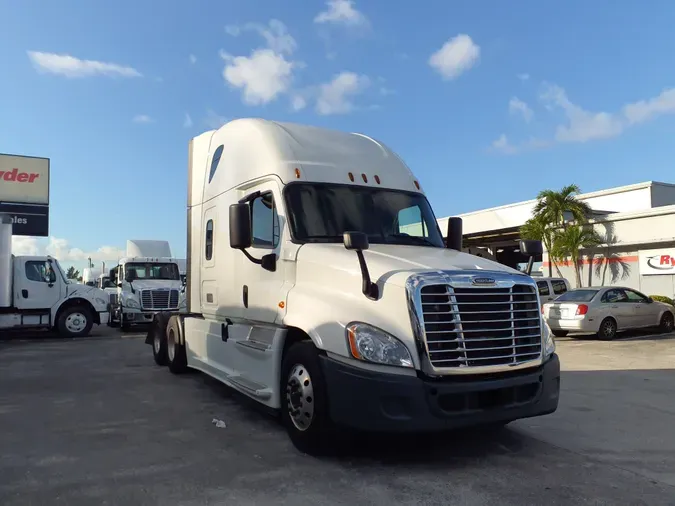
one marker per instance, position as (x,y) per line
(300,397)
(171,345)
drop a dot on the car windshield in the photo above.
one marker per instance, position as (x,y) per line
(577,296)
(323,212)
(153,270)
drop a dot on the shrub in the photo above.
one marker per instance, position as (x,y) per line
(662,298)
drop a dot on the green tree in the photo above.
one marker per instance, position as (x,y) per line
(537,228)
(551,208)
(570,240)
(72,273)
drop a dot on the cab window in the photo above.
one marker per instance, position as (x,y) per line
(410,222)
(543,288)
(265,222)
(40,272)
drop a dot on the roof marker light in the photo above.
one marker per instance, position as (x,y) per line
(297,173)
(365,179)
(351,177)
(377,179)
(417,185)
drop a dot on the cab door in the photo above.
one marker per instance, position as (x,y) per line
(36,284)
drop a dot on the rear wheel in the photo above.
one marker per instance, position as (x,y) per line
(75,321)
(304,403)
(560,333)
(176,354)
(607,330)
(667,322)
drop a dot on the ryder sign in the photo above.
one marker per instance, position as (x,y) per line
(24,193)
(657,261)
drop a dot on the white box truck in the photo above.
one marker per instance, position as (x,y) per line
(307,292)
(148,281)
(35,294)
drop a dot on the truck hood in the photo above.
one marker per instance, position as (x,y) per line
(395,263)
(88,292)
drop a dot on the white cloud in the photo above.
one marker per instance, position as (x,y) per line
(524,77)
(645,110)
(142,118)
(187,123)
(455,57)
(581,125)
(61,250)
(214,120)
(518,107)
(262,76)
(233,30)
(193,59)
(341,12)
(334,96)
(503,145)
(70,66)
(298,103)
(265,73)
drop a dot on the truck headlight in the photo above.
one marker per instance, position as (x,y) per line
(101,302)
(371,344)
(547,339)
(132,303)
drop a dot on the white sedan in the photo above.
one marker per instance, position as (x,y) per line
(605,311)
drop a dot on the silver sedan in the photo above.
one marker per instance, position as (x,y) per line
(605,311)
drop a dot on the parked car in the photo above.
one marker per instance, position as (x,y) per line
(550,288)
(605,311)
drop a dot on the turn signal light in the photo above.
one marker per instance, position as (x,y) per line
(582,309)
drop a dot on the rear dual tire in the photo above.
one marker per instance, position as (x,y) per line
(176,352)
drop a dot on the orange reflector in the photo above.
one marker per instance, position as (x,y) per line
(282,305)
(297,173)
(417,185)
(377,179)
(351,177)
(352,343)
(365,179)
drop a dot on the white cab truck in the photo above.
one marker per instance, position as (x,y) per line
(146,284)
(90,276)
(35,294)
(306,294)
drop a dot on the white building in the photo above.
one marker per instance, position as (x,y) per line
(637,223)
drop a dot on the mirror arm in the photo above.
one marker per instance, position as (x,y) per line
(368,288)
(530,264)
(251,258)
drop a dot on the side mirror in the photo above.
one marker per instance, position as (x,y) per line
(119,285)
(454,240)
(649,300)
(128,277)
(531,248)
(240,226)
(357,241)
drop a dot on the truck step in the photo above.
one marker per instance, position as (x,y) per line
(250,386)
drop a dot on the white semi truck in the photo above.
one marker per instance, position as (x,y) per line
(306,293)
(148,281)
(35,294)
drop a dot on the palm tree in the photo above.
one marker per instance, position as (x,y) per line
(570,240)
(538,228)
(553,205)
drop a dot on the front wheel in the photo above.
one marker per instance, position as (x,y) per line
(304,402)
(607,330)
(667,323)
(560,333)
(75,321)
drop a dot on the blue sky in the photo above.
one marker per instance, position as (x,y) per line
(488,102)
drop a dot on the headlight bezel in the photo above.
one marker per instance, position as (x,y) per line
(131,303)
(548,345)
(355,345)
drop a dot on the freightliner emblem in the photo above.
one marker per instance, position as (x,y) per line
(483,281)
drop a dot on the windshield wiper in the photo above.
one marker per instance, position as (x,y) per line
(413,238)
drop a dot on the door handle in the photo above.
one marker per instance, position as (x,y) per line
(24,293)
(614,307)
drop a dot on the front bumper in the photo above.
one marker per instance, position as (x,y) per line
(104,317)
(373,401)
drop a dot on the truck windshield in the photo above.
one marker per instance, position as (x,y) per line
(323,212)
(153,270)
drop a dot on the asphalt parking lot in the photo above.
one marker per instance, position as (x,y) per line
(94,421)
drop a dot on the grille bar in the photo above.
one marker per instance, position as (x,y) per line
(159,299)
(480,326)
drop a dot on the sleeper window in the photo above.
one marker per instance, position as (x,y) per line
(208,250)
(265,222)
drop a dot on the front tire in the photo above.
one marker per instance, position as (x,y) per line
(667,323)
(176,354)
(304,402)
(607,330)
(560,333)
(75,321)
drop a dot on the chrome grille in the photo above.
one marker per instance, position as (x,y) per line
(159,299)
(478,327)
